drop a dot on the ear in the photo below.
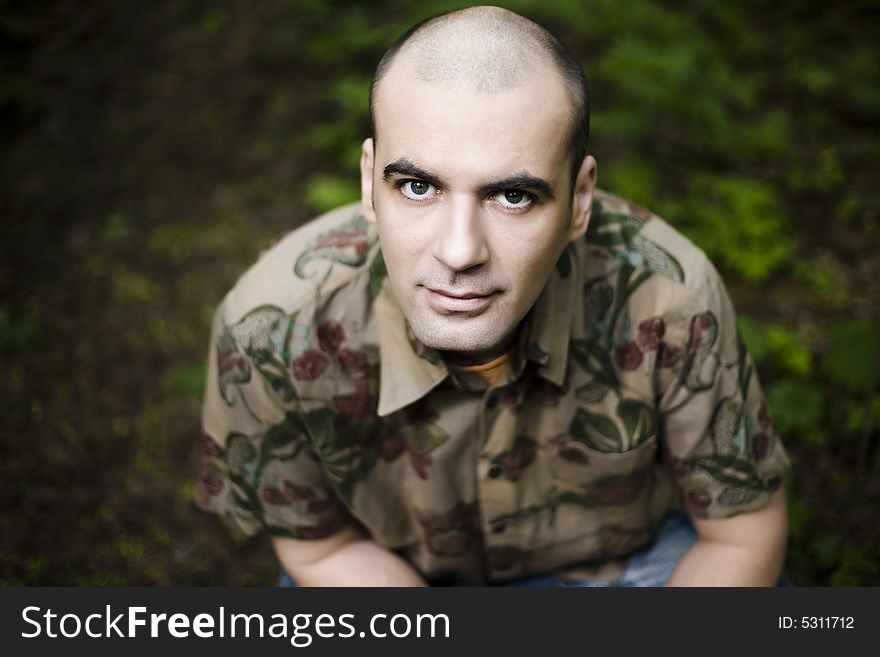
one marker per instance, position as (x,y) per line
(582,199)
(367,161)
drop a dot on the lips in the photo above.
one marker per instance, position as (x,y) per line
(468,295)
(447,302)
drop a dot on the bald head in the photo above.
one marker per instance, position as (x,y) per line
(488,50)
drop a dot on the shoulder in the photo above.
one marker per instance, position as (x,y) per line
(623,232)
(310,263)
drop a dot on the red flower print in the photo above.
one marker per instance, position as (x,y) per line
(355,405)
(451,534)
(344,239)
(615,490)
(353,362)
(210,483)
(209,447)
(669,355)
(419,413)
(572,453)
(764,417)
(229,359)
(420,463)
(699,498)
(638,212)
(330,336)
(294,491)
(675,467)
(760,442)
(309,365)
(392,446)
(628,355)
(273,496)
(651,332)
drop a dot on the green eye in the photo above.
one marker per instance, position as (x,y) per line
(514,197)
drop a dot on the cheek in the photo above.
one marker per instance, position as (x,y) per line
(528,257)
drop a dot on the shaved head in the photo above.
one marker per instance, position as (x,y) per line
(489,50)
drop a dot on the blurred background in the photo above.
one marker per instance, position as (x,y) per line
(150,150)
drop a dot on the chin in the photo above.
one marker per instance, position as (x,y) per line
(476,338)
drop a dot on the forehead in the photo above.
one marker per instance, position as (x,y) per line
(452,127)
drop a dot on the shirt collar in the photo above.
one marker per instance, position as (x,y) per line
(409,370)
(549,323)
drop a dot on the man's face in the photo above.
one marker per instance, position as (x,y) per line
(472,199)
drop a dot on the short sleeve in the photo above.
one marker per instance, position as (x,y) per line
(718,443)
(258,465)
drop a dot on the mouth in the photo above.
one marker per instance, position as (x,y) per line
(468,303)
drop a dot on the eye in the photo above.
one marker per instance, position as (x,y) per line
(513,199)
(416,190)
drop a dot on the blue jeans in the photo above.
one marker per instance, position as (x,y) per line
(650,566)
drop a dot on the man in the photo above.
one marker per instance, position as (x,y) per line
(488,371)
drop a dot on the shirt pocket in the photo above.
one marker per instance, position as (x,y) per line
(601,477)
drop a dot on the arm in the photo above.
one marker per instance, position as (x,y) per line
(347,558)
(745,550)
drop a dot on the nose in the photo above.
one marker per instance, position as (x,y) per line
(460,241)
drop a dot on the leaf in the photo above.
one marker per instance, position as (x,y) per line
(596,431)
(232,365)
(594,358)
(239,453)
(346,244)
(657,259)
(280,382)
(638,419)
(378,273)
(735,495)
(287,437)
(730,469)
(598,297)
(319,424)
(426,437)
(257,332)
(726,422)
(604,228)
(703,335)
(592,392)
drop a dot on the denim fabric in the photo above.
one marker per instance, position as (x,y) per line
(650,566)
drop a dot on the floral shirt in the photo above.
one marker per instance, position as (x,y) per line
(629,392)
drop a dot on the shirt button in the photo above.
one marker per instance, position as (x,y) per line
(495,471)
(498,527)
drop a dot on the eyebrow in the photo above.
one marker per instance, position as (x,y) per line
(522,180)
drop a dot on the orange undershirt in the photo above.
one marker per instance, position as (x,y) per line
(489,371)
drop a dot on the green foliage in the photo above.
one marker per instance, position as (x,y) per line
(852,360)
(17,333)
(186,381)
(797,410)
(737,222)
(326,193)
(789,352)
